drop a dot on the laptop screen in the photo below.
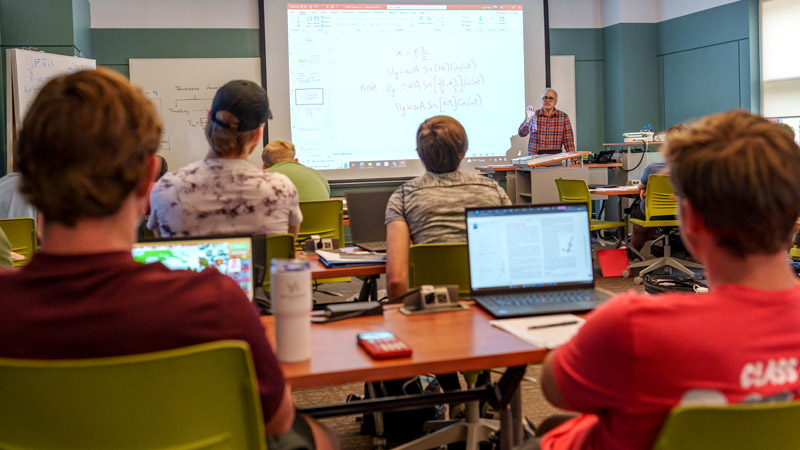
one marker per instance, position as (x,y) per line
(367,211)
(529,246)
(231,256)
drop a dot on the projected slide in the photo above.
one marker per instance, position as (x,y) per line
(363,77)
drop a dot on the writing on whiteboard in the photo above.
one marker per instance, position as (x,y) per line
(418,81)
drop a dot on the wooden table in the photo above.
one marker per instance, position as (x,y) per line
(371,273)
(442,343)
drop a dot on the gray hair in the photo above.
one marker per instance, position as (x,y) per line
(544,92)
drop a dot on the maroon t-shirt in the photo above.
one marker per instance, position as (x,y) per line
(96,305)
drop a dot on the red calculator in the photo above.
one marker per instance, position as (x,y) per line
(383,344)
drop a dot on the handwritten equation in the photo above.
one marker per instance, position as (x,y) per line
(417,80)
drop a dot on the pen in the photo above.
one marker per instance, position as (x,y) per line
(549,325)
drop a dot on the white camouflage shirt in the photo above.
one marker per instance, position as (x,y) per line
(223,197)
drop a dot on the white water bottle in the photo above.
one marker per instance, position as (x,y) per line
(291,305)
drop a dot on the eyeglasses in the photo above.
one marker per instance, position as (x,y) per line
(548,99)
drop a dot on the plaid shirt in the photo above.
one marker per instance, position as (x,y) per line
(548,132)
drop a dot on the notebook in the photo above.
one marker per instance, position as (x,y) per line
(367,212)
(231,256)
(531,259)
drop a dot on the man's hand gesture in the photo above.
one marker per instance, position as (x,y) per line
(530,111)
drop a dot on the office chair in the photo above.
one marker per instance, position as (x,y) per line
(439,264)
(21,233)
(278,246)
(326,219)
(732,427)
(443,264)
(660,210)
(199,397)
(577,191)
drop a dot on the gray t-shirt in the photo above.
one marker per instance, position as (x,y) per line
(223,196)
(433,205)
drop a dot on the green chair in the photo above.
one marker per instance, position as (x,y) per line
(21,233)
(278,246)
(661,207)
(199,397)
(770,426)
(439,264)
(577,191)
(326,219)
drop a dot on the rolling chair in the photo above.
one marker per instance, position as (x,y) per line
(577,191)
(199,397)
(278,246)
(443,264)
(660,210)
(326,219)
(21,233)
(732,427)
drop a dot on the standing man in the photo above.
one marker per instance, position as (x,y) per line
(549,128)
(279,157)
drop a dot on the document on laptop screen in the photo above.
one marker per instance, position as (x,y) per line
(525,247)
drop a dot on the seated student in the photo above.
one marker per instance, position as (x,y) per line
(639,355)
(223,193)
(641,234)
(430,209)
(279,157)
(82,295)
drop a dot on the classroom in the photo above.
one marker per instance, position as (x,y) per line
(412,314)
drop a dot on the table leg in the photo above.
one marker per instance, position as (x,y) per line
(369,290)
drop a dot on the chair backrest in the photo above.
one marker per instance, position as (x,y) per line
(203,396)
(660,199)
(21,233)
(771,426)
(324,217)
(278,246)
(574,191)
(439,264)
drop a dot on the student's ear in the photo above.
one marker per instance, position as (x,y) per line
(153,163)
(259,134)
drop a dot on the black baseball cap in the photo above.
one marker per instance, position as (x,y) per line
(246,100)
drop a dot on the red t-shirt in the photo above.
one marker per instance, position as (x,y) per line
(96,305)
(638,356)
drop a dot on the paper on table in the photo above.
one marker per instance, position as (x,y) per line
(547,337)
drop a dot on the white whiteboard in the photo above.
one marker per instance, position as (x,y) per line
(28,72)
(182,90)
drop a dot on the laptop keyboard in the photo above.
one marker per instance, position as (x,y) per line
(542,297)
(373,246)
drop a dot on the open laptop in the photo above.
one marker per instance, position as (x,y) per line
(531,259)
(367,212)
(231,256)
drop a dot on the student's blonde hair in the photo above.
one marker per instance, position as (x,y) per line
(739,172)
(277,151)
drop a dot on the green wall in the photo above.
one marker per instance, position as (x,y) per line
(631,74)
(114,47)
(586,44)
(705,58)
